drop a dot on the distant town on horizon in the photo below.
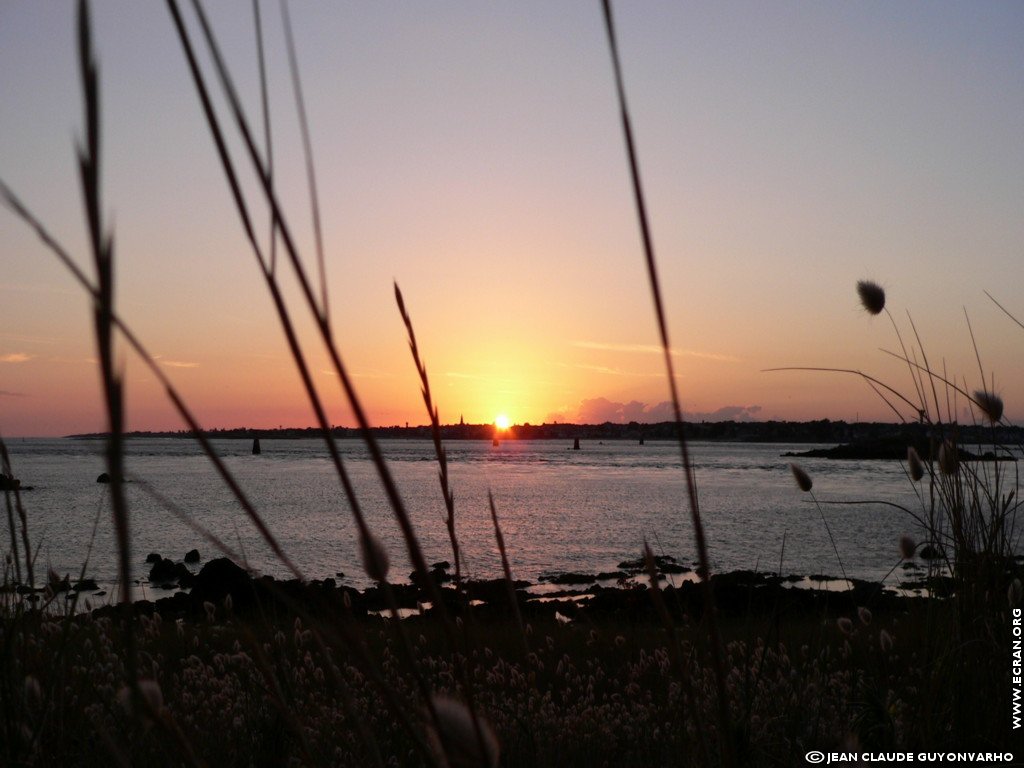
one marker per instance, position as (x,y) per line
(818,431)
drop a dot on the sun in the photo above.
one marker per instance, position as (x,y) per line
(501,421)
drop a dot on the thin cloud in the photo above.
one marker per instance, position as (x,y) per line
(15,357)
(598,410)
(5,393)
(618,372)
(178,364)
(654,349)
(27,339)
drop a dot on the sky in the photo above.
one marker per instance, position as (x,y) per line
(472,152)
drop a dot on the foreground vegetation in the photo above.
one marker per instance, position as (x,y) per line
(227,689)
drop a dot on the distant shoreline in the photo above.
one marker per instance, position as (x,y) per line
(821,431)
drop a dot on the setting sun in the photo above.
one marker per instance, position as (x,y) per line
(501,421)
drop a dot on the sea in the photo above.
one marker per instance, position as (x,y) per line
(560,510)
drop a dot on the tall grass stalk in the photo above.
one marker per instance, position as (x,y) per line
(435,433)
(102,247)
(724,718)
(14,491)
(318,315)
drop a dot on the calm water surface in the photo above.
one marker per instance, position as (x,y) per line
(561,510)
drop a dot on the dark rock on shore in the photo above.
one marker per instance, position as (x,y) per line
(222,577)
(192,556)
(103,478)
(738,593)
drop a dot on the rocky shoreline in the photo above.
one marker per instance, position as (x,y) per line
(221,582)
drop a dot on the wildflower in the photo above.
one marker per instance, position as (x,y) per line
(872,296)
(885,641)
(948,459)
(845,625)
(907,547)
(461,738)
(864,615)
(228,603)
(914,465)
(375,558)
(1013,594)
(802,478)
(990,404)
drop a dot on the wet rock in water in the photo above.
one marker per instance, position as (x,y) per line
(168,572)
(153,557)
(930,552)
(103,478)
(192,556)
(57,585)
(86,585)
(568,578)
(8,483)
(438,571)
(663,563)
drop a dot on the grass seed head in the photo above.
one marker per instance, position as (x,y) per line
(948,460)
(907,547)
(885,641)
(1014,593)
(375,558)
(802,478)
(872,296)
(914,465)
(990,404)
(845,625)
(864,615)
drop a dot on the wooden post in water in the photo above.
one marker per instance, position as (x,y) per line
(576,444)
(256,450)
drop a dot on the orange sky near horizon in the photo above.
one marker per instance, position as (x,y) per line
(473,154)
